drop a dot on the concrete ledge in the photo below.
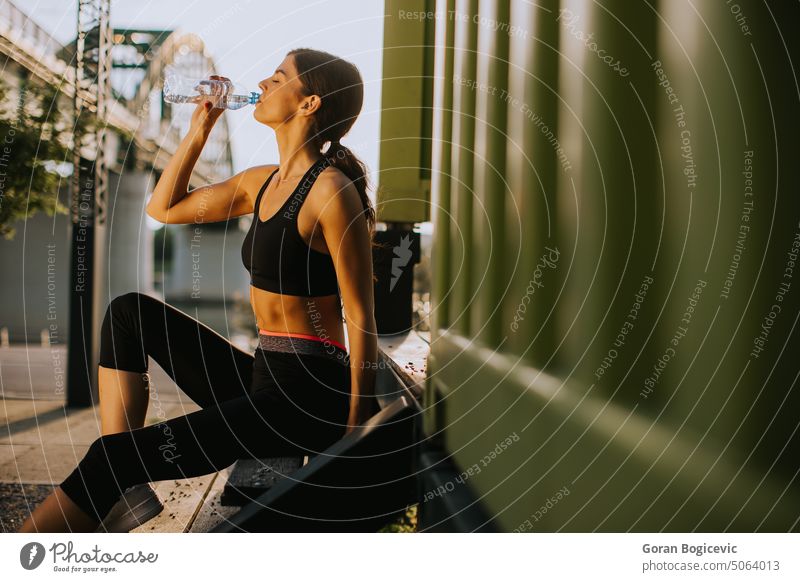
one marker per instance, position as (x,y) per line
(406,355)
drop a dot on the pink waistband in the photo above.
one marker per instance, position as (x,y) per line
(302,335)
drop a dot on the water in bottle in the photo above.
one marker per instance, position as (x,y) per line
(225,95)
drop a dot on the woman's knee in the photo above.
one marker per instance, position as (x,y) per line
(105,455)
(121,312)
(121,333)
(130,304)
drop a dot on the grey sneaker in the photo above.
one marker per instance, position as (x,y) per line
(138,504)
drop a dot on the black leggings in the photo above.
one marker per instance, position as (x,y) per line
(272,403)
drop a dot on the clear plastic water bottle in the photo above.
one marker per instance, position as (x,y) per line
(180,89)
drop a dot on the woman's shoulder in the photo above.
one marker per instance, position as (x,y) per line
(254,178)
(332,185)
(332,179)
(260,173)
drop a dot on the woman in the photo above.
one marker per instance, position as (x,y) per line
(301,391)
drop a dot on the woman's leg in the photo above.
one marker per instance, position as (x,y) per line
(205,365)
(264,424)
(123,399)
(58,513)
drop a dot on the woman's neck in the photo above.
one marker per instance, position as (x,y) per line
(296,155)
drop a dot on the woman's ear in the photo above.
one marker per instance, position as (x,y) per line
(311,104)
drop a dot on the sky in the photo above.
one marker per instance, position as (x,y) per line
(247,40)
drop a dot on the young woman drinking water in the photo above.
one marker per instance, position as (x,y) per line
(308,251)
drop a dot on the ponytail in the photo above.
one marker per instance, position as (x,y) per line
(342,157)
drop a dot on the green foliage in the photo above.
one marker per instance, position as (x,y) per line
(406,523)
(34,134)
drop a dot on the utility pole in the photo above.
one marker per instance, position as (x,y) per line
(92,92)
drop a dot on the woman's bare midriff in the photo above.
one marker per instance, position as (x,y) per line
(319,316)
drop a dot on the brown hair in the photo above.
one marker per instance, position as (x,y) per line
(338,83)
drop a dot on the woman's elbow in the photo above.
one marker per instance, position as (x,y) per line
(155,214)
(363,320)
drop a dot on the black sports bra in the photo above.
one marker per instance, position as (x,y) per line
(275,254)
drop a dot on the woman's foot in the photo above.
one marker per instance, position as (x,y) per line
(138,504)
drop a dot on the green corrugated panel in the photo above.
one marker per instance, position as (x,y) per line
(535,162)
(461,236)
(610,201)
(488,244)
(404,178)
(713,444)
(442,181)
(732,76)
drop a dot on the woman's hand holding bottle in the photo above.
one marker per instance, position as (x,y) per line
(212,96)
(210,103)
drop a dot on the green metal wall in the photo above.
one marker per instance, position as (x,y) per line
(403,193)
(607,251)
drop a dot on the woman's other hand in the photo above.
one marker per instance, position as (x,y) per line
(361,413)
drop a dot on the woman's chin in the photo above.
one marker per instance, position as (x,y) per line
(264,116)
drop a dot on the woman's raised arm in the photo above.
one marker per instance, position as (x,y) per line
(172,203)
